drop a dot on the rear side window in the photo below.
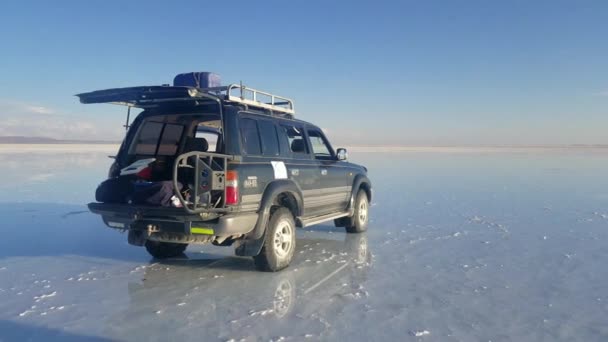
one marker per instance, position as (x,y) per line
(270,141)
(250,136)
(157,138)
(295,139)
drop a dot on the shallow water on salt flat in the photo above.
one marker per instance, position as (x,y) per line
(500,246)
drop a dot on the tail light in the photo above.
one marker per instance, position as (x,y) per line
(232,188)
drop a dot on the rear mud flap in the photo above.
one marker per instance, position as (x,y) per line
(252,244)
(250,247)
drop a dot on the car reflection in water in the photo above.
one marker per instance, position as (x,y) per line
(223,299)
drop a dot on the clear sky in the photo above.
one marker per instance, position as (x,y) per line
(377,72)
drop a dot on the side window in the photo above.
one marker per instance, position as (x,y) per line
(270,141)
(250,136)
(319,145)
(295,139)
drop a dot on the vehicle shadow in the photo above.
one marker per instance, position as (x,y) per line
(52,229)
(13,331)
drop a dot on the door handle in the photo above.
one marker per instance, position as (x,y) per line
(324,172)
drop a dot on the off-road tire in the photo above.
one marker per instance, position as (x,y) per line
(280,243)
(164,250)
(358,222)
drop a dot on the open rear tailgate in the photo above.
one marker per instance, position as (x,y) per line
(144,96)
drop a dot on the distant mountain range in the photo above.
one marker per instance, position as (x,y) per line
(44,140)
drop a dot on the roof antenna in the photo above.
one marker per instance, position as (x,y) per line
(126,125)
(242,96)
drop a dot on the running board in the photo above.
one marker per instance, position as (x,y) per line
(323,218)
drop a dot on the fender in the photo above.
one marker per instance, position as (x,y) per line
(254,240)
(360,180)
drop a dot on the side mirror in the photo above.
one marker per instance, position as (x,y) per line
(342,154)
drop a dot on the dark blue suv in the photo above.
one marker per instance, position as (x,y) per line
(231,166)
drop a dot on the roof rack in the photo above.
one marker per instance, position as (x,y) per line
(251,97)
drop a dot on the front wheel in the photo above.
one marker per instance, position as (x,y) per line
(163,250)
(358,223)
(280,243)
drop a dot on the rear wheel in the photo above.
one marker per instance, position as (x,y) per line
(280,243)
(163,250)
(358,222)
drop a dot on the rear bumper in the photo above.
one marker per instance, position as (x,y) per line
(173,220)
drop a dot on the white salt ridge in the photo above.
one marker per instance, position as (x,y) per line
(142,267)
(421,333)
(457,234)
(45,296)
(604,216)
(480,220)
(260,313)
(26,312)
(415,241)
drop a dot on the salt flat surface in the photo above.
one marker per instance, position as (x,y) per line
(461,247)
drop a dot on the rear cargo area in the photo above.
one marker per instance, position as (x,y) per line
(169,161)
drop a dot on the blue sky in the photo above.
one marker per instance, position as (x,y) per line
(404,72)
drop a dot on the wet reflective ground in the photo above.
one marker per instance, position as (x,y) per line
(475,246)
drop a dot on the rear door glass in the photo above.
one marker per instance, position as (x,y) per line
(169,143)
(148,138)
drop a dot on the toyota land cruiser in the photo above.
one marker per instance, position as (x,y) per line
(238,167)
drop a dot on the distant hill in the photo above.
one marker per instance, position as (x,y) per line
(44,140)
